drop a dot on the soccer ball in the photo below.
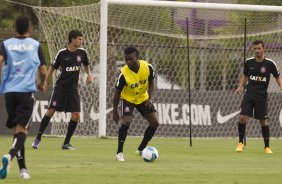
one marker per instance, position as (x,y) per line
(149,154)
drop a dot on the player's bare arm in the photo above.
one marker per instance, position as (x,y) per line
(242,83)
(42,75)
(49,73)
(151,88)
(279,82)
(90,77)
(115,105)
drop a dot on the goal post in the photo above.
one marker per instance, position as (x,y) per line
(103,67)
(158,30)
(171,4)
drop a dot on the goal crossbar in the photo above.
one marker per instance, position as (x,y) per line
(197,5)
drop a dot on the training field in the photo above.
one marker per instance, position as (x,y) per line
(208,161)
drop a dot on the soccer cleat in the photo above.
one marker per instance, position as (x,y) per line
(138,153)
(24,174)
(6,160)
(240,147)
(68,147)
(267,150)
(119,157)
(35,144)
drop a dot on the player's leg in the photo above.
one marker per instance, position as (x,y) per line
(72,101)
(11,106)
(21,162)
(75,116)
(21,119)
(126,113)
(43,125)
(261,114)
(17,147)
(242,127)
(56,103)
(247,106)
(20,156)
(27,109)
(122,133)
(150,113)
(265,134)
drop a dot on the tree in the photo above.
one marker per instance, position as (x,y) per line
(9,11)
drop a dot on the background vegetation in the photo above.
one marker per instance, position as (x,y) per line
(9,11)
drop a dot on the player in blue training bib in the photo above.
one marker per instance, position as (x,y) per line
(20,58)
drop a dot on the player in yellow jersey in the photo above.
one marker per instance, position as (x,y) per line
(135,87)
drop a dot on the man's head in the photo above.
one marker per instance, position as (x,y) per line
(75,38)
(131,57)
(22,25)
(259,48)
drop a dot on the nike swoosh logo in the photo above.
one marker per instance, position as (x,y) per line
(15,63)
(95,115)
(222,119)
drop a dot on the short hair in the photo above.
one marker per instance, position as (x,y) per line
(22,25)
(257,42)
(130,49)
(73,34)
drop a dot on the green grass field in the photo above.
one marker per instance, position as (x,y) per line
(208,161)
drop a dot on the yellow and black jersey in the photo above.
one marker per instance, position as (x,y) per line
(134,85)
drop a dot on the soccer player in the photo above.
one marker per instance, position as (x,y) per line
(20,58)
(135,86)
(65,96)
(255,80)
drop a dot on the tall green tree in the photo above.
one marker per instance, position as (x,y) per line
(9,11)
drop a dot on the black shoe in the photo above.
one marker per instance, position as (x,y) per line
(68,147)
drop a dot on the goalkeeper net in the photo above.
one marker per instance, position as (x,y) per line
(216,59)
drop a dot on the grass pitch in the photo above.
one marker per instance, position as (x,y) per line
(209,161)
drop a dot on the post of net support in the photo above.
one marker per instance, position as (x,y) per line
(189,81)
(245,45)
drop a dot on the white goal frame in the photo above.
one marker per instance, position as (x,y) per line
(173,4)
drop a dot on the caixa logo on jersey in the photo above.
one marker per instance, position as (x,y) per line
(40,109)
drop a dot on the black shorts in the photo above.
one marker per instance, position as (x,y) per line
(64,100)
(19,108)
(128,107)
(256,107)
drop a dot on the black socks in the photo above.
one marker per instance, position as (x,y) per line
(18,143)
(21,158)
(241,130)
(122,133)
(70,131)
(265,135)
(149,133)
(43,125)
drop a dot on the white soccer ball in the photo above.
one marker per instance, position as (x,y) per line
(149,154)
